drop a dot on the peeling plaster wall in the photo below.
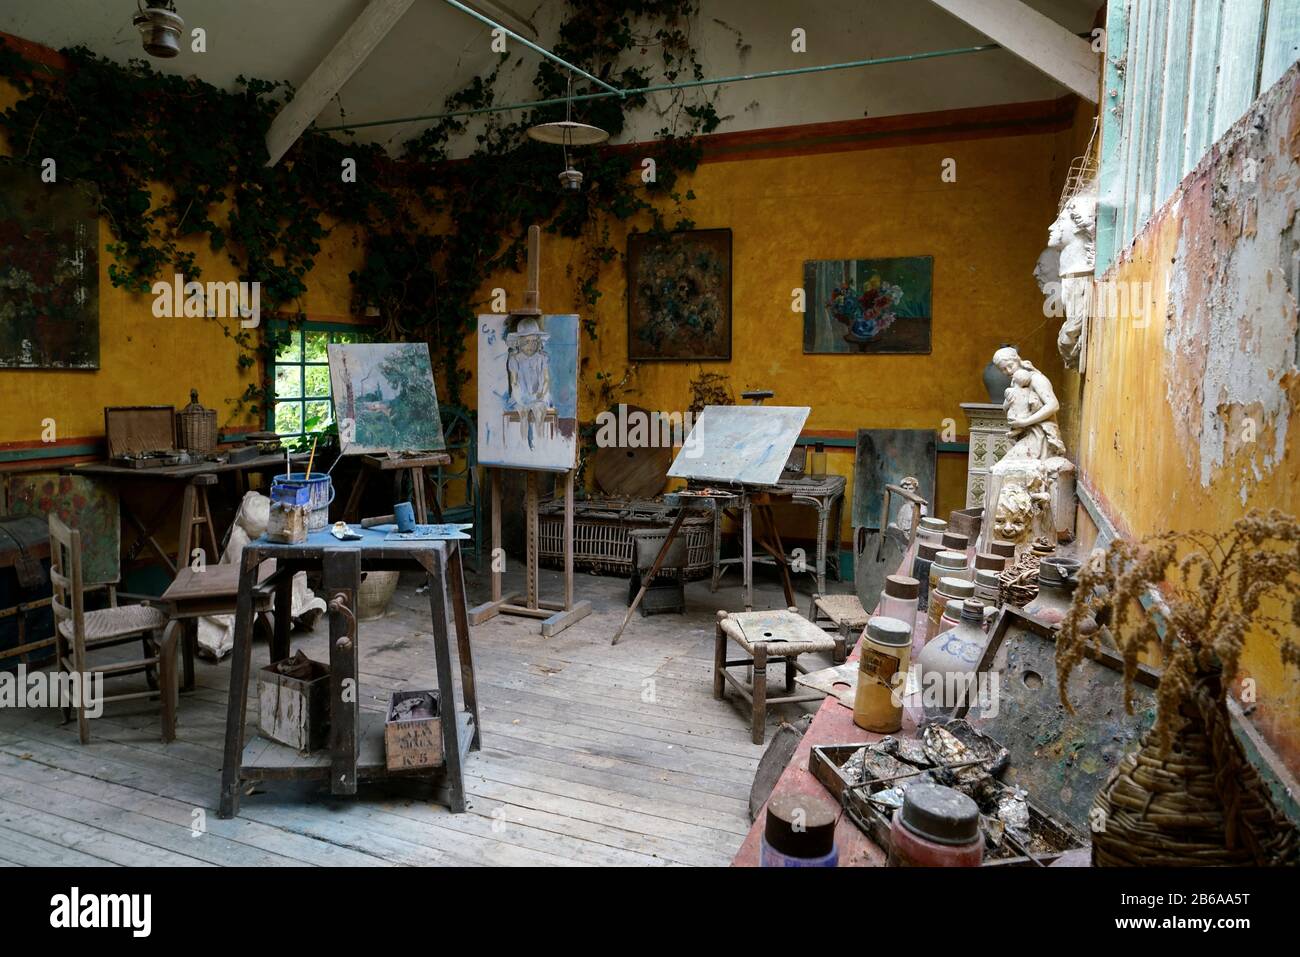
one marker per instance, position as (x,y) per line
(1189,418)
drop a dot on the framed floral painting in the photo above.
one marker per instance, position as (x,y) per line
(679,296)
(867,305)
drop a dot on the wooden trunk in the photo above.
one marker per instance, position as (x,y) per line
(294,711)
(413,740)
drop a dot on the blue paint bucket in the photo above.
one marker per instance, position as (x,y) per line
(318,490)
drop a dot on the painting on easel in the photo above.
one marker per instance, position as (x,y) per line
(528,391)
(384,397)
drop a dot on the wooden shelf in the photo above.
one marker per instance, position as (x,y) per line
(267,760)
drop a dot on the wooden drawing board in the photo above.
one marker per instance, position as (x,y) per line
(740,444)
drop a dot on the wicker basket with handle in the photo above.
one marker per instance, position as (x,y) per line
(196,427)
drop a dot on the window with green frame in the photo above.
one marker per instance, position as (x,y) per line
(301,375)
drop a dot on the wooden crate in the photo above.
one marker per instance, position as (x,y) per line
(414,739)
(294,711)
(132,429)
(601,539)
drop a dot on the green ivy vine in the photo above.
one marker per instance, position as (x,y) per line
(130,129)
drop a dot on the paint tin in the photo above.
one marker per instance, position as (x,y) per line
(320,493)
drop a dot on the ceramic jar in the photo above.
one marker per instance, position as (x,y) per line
(950,659)
(937,826)
(946,590)
(1057,579)
(883,661)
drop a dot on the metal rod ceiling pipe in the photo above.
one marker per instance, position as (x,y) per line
(613,90)
(665,87)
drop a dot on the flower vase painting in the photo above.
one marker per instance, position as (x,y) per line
(868,305)
(679,296)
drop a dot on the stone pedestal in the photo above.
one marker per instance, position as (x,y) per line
(988,443)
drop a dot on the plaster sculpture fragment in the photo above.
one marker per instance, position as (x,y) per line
(1073,236)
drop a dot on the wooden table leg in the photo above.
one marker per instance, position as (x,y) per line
(186,532)
(446,687)
(341,576)
(456,584)
(237,701)
(283,616)
(189,647)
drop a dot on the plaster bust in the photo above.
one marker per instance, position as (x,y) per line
(1073,235)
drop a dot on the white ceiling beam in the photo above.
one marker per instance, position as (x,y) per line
(371,26)
(504,15)
(1037,39)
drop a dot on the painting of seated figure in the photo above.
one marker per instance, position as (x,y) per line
(528,391)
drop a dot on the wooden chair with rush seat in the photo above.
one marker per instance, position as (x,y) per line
(79,632)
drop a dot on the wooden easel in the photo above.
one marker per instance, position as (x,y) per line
(555,616)
(415,464)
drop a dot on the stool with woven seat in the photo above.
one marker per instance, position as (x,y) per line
(767,637)
(78,632)
(845,616)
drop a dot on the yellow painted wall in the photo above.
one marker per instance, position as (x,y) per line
(144,360)
(985,232)
(1162,396)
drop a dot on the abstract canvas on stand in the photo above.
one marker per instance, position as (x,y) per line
(384,397)
(528,391)
(867,305)
(49,273)
(679,295)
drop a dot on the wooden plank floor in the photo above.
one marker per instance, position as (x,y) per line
(592,755)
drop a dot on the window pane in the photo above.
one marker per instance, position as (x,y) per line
(288,418)
(291,349)
(315,351)
(318,380)
(319,415)
(288,382)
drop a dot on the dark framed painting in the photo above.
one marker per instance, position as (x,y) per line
(49,273)
(867,305)
(679,296)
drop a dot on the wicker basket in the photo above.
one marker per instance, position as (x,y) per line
(196,427)
(602,541)
(1200,803)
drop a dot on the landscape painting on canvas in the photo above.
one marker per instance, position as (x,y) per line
(528,391)
(867,305)
(384,397)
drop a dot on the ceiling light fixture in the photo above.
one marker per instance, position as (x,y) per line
(160,28)
(568,133)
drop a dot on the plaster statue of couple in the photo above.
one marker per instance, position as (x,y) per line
(1068,262)
(1032,484)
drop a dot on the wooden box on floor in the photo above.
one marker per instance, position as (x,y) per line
(294,711)
(413,739)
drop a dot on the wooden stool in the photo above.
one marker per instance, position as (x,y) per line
(195,512)
(768,637)
(846,616)
(213,590)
